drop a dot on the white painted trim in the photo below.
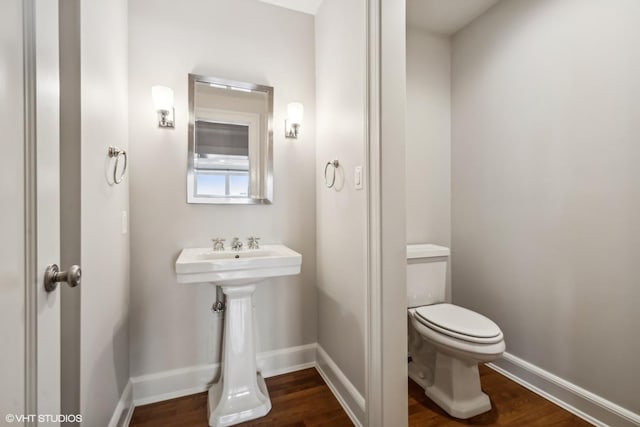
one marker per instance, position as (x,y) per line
(175,383)
(373,184)
(129,415)
(30,208)
(351,400)
(283,361)
(195,379)
(575,399)
(125,406)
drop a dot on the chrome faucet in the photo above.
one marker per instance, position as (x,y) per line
(253,243)
(236,244)
(218,244)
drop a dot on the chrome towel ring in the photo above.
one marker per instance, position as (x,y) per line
(334,164)
(117,153)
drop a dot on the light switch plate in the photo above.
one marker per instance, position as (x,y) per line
(125,222)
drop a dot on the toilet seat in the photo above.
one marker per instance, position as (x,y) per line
(457,347)
(459,322)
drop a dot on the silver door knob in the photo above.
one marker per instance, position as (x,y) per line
(53,276)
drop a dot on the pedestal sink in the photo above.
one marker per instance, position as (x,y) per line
(240,394)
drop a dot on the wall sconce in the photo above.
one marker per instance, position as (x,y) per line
(295,112)
(163,102)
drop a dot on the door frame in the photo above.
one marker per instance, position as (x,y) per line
(373,310)
(379,396)
(386,323)
(41,205)
(31,207)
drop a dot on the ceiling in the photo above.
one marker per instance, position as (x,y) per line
(305,6)
(436,16)
(444,16)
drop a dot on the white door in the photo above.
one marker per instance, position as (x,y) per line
(29,217)
(12,268)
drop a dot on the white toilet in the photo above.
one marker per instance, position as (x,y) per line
(446,342)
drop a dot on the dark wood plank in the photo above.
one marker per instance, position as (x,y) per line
(302,399)
(512,405)
(298,399)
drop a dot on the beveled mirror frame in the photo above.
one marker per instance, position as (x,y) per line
(265,195)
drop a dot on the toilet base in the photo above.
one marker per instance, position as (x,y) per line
(420,374)
(455,387)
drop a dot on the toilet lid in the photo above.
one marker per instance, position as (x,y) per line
(458,322)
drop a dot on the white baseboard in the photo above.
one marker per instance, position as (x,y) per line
(583,403)
(124,409)
(181,382)
(351,400)
(185,381)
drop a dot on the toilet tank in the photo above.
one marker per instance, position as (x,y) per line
(426,274)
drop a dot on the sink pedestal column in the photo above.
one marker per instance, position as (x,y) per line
(240,394)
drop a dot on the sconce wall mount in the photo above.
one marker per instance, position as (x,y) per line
(165,118)
(163,102)
(291,129)
(295,113)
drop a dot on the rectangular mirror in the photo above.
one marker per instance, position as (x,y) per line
(230,157)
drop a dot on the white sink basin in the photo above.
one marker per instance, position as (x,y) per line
(240,394)
(229,268)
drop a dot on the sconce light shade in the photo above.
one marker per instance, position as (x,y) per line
(295,114)
(162,97)
(163,101)
(295,111)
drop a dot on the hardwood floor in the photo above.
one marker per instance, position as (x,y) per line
(303,399)
(512,405)
(298,399)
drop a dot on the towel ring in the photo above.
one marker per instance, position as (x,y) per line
(117,153)
(334,164)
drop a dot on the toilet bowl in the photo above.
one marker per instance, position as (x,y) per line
(446,342)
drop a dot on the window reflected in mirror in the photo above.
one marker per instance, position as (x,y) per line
(221,160)
(230,152)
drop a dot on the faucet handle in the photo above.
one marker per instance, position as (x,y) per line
(253,242)
(218,244)
(236,244)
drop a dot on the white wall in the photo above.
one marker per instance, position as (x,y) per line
(104,249)
(172,325)
(341,212)
(428,138)
(546,185)
(12,268)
